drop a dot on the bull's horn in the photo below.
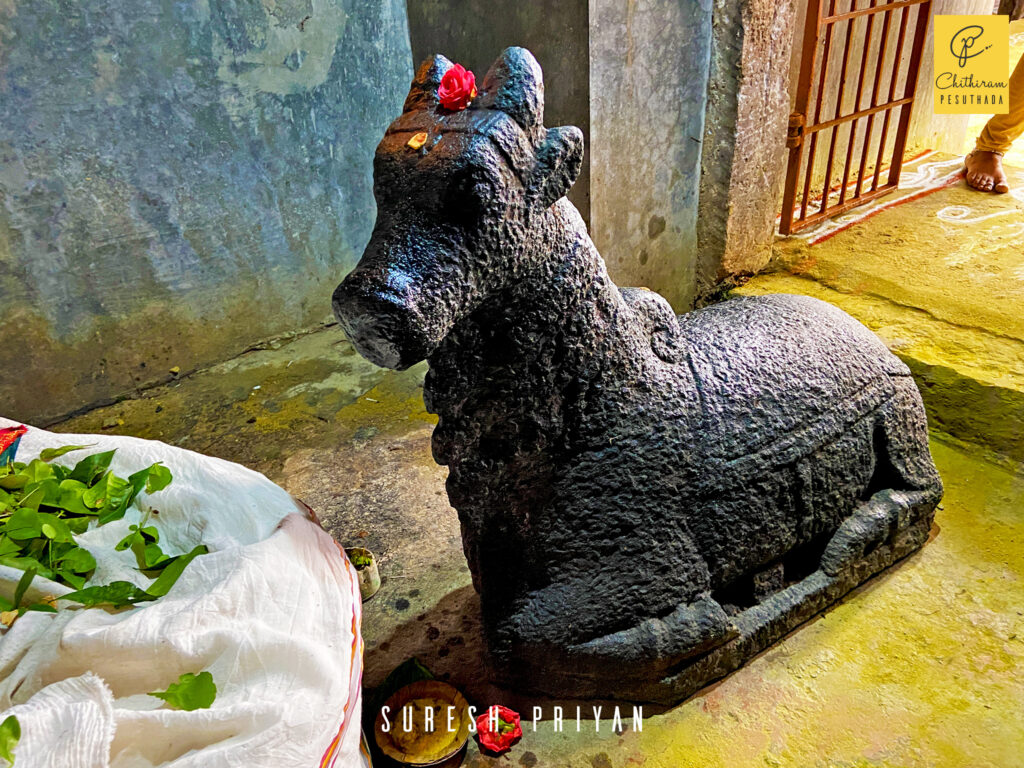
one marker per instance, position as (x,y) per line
(515,85)
(423,92)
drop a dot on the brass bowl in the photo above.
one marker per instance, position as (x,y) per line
(418,747)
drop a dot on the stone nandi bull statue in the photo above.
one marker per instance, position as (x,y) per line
(646,501)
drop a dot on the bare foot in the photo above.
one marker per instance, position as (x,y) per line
(985,172)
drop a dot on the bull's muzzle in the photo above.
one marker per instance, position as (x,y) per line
(383,318)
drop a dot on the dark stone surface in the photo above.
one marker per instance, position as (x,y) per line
(631,485)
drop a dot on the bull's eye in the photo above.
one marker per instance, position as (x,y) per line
(470,195)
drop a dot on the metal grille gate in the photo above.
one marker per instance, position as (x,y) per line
(899,42)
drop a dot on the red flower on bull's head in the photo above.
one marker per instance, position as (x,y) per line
(457,89)
(501,738)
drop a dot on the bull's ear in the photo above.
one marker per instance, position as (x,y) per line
(559,160)
(515,85)
(423,92)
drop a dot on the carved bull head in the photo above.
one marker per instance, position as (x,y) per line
(459,216)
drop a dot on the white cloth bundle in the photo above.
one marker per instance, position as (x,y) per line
(272,612)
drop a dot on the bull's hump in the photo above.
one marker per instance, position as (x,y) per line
(783,373)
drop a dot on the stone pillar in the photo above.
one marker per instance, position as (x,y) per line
(648,78)
(743,163)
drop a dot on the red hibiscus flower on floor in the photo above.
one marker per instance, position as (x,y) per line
(458,88)
(504,736)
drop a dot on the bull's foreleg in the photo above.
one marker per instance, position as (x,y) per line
(691,629)
(541,627)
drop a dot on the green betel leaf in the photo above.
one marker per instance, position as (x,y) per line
(77,560)
(23,524)
(119,495)
(14,481)
(151,479)
(143,543)
(58,528)
(51,492)
(137,481)
(96,496)
(36,471)
(191,692)
(88,469)
(151,557)
(128,540)
(147,550)
(158,478)
(33,497)
(70,500)
(49,454)
(10,735)
(117,594)
(170,574)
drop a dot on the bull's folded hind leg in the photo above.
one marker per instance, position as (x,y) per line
(874,522)
(908,485)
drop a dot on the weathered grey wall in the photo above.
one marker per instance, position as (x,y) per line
(744,139)
(474,32)
(649,64)
(179,180)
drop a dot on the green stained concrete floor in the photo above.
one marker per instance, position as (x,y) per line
(956,254)
(920,667)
